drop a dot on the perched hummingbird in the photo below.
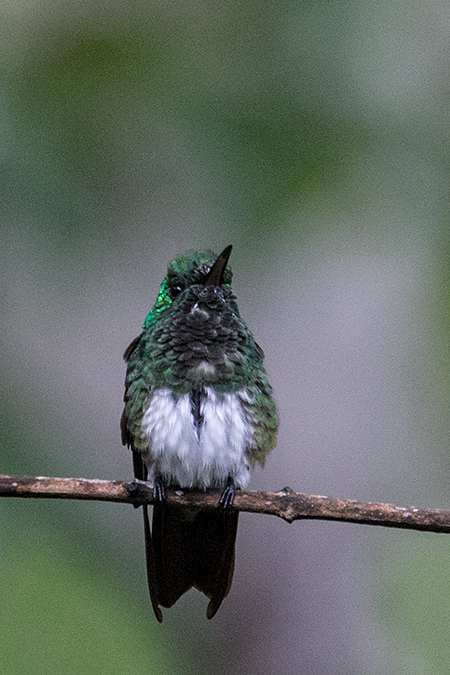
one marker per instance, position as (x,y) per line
(198,412)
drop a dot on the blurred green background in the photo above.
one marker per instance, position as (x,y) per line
(314,137)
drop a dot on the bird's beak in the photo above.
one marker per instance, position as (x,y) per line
(215,274)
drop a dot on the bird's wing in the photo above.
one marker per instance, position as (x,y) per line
(137,392)
(264,410)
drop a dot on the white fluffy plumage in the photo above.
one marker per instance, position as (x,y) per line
(205,456)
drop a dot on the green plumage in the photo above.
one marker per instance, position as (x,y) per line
(183,352)
(196,389)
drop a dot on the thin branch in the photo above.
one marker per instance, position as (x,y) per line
(285,504)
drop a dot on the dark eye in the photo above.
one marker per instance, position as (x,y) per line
(176,290)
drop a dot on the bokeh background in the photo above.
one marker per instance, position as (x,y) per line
(314,137)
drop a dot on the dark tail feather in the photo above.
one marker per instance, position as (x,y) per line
(191,548)
(215,538)
(151,565)
(173,552)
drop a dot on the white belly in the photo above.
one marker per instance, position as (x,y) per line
(205,456)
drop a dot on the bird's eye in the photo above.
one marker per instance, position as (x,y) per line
(176,290)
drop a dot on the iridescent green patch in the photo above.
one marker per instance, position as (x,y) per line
(164,300)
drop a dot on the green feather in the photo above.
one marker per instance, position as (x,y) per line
(182,348)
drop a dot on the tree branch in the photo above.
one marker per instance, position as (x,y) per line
(285,504)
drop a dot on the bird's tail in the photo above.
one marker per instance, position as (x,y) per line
(189,548)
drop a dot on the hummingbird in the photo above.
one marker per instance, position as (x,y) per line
(198,413)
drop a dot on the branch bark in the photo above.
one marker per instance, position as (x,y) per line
(285,504)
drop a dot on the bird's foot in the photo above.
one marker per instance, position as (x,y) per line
(136,489)
(227,497)
(159,490)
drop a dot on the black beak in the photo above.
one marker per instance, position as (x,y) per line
(215,274)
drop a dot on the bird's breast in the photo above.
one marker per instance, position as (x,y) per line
(200,439)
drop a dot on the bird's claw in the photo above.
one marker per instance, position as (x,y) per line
(227,497)
(159,490)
